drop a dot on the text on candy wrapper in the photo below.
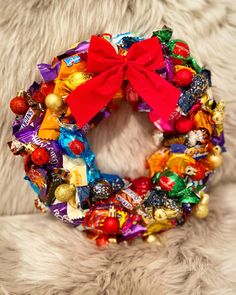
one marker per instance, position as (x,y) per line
(69,61)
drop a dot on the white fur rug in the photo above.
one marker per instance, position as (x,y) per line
(40,255)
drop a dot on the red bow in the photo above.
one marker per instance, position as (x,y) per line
(138,66)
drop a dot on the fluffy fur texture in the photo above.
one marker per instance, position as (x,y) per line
(40,255)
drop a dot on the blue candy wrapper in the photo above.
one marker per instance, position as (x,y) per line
(116,182)
(177,148)
(83,193)
(70,133)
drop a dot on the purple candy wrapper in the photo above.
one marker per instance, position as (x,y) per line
(219,140)
(81,47)
(49,72)
(169,69)
(143,107)
(35,86)
(60,211)
(177,148)
(16,124)
(133,231)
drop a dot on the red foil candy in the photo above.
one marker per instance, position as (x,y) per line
(166,183)
(181,48)
(183,78)
(76,146)
(47,88)
(183,125)
(141,185)
(39,97)
(40,156)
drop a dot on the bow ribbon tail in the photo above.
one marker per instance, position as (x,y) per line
(89,98)
(159,94)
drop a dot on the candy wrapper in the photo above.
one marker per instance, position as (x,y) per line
(84,85)
(74,144)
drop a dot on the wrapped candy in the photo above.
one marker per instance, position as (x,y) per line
(176,187)
(68,135)
(65,86)
(128,199)
(164,34)
(38,177)
(60,211)
(101,189)
(115,181)
(49,128)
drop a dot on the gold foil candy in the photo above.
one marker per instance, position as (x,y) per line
(61,88)
(76,79)
(157,227)
(160,215)
(203,120)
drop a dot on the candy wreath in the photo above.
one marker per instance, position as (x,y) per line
(81,87)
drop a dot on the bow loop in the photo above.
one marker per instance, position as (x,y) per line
(102,56)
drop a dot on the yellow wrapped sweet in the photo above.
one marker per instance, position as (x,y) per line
(49,128)
(203,120)
(156,227)
(76,79)
(178,163)
(64,87)
(157,161)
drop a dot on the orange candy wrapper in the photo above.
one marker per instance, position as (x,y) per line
(49,128)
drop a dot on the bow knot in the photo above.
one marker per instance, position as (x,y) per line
(138,66)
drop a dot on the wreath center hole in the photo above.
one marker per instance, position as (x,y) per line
(123,141)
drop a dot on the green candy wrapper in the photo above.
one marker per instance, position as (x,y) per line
(188,196)
(176,187)
(164,34)
(179,50)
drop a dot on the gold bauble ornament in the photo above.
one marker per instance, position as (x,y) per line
(205,199)
(201,209)
(54,102)
(215,159)
(64,192)
(151,238)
